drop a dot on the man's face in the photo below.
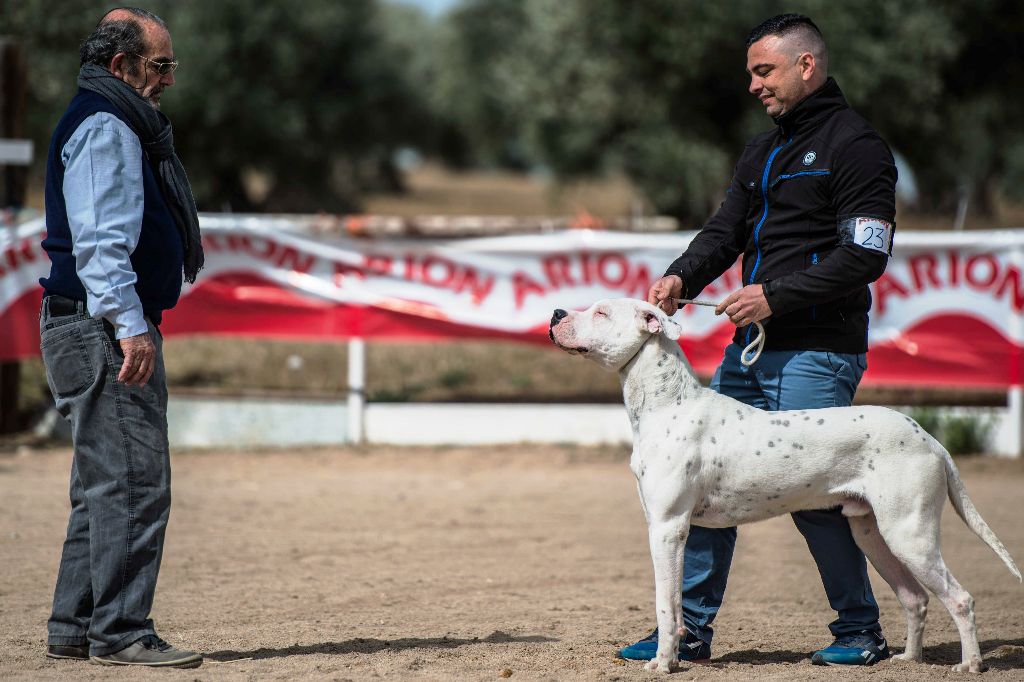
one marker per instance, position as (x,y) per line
(146,80)
(778,77)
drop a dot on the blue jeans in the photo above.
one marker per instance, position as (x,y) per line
(785,380)
(120,483)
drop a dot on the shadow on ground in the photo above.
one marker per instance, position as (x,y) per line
(360,645)
(999,654)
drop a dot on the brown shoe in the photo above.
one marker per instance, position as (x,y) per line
(154,652)
(77,652)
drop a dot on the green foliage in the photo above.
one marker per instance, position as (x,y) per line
(961,435)
(966,435)
(312,100)
(454,378)
(285,107)
(928,419)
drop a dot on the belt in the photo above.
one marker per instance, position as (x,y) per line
(59,306)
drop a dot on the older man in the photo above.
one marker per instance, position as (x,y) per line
(811,209)
(121,230)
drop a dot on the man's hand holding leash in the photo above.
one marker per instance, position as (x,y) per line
(744,306)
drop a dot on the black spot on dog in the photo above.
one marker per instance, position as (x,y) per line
(713,439)
(771,444)
(785,423)
(820,422)
(785,457)
(757,453)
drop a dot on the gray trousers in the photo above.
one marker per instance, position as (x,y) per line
(120,482)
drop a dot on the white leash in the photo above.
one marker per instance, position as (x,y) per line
(757,344)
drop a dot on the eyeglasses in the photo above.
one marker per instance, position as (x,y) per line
(162,68)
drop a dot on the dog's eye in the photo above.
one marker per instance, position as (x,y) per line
(600,313)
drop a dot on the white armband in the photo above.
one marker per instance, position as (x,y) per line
(867,232)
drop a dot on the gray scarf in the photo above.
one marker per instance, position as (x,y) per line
(154,131)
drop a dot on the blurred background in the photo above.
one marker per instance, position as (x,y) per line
(328,106)
(527,107)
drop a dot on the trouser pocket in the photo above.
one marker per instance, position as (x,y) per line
(69,368)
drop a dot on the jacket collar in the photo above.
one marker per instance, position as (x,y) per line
(813,109)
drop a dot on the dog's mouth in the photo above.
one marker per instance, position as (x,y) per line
(572,350)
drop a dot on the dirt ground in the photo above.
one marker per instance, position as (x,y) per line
(470,564)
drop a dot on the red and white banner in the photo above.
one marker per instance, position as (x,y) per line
(948,310)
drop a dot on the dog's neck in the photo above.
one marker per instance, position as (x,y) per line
(658,375)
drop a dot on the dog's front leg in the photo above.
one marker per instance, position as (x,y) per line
(668,538)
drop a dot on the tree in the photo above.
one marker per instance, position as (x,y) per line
(276,107)
(658,90)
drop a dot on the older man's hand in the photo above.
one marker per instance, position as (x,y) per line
(139,359)
(745,306)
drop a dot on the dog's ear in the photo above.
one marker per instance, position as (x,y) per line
(658,322)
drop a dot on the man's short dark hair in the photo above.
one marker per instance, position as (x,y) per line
(782,25)
(799,31)
(118,35)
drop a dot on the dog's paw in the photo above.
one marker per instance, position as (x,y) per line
(973,666)
(907,658)
(661,666)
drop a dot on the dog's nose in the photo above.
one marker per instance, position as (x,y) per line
(557,316)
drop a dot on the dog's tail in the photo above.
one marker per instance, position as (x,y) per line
(966,510)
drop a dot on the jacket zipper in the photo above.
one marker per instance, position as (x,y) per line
(764,216)
(814,308)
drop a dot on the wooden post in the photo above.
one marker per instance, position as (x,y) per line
(13,181)
(356,391)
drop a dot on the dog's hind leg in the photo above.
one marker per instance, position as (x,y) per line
(913,598)
(914,540)
(668,539)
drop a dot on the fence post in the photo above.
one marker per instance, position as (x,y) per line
(356,389)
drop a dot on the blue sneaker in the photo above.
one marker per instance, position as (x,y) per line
(866,647)
(691,649)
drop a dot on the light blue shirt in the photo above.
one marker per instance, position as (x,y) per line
(104,197)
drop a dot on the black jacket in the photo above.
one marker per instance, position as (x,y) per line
(811,208)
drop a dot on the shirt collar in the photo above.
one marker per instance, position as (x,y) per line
(813,109)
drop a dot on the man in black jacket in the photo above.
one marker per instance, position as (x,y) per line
(811,210)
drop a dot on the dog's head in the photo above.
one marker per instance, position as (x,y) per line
(611,331)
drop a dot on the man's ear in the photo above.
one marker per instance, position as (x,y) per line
(119,64)
(658,322)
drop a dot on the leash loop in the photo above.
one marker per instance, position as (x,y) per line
(755,346)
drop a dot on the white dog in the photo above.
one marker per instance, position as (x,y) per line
(707,459)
